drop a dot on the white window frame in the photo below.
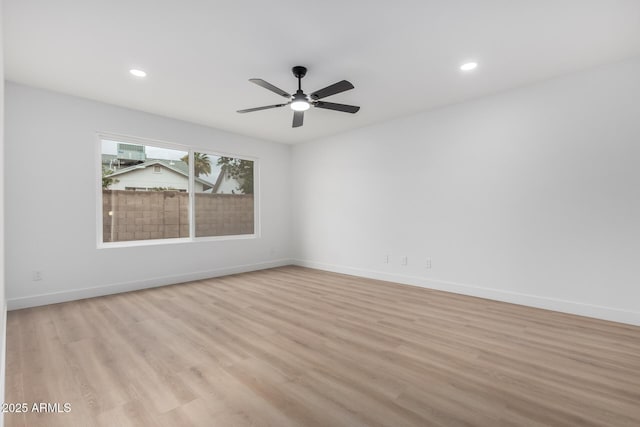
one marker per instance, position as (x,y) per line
(191,186)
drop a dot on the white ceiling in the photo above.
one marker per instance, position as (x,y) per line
(402,56)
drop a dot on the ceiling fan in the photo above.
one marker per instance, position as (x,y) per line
(301,102)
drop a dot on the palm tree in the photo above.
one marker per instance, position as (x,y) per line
(202,163)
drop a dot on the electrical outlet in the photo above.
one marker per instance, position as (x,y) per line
(385,259)
(404,261)
(37,275)
(427,263)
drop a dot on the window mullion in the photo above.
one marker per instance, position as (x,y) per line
(192,198)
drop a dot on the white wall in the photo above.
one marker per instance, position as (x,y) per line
(3,305)
(51,141)
(530,196)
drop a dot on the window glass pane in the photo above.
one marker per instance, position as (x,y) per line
(224,202)
(144,192)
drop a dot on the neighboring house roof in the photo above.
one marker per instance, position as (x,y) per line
(223,171)
(176,166)
(221,175)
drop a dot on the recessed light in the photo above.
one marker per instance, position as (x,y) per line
(469,66)
(138,73)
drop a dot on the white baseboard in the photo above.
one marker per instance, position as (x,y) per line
(76,294)
(581,309)
(589,310)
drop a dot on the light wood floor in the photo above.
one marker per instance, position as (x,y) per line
(299,347)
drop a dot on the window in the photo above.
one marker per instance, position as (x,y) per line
(150,192)
(227,207)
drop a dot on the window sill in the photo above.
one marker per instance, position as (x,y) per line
(157,242)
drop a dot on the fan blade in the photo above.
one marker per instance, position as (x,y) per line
(271,87)
(337,107)
(248,110)
(332,90)
(298,117)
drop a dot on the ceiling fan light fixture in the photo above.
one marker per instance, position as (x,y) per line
(300,105)
(300,102)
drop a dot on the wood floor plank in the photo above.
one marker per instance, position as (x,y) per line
(293,346)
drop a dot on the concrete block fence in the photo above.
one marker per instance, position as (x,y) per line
(144,215)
